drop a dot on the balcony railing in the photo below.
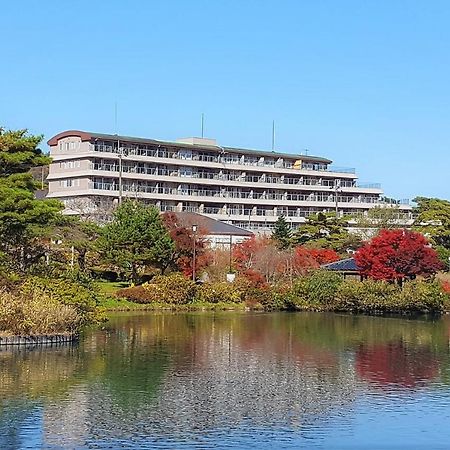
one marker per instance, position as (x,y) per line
(221,158)
(226,194)
(203,175)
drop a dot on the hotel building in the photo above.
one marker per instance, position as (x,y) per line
(91,172)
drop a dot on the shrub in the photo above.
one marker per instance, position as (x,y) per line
(136,294)
(316,290)
(380,296)
(219,292)
(422,296)
(368,295)
(172,289)
(66,292)
(36,313)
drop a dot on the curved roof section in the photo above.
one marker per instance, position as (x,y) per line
(88,136)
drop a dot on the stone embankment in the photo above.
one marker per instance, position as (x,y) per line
(38,340)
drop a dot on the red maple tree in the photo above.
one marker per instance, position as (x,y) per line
(183,238)
(397,254)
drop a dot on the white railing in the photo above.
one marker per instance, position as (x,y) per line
(221,158)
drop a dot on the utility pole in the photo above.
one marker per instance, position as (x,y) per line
(120,154)
(231,246)
(194,235)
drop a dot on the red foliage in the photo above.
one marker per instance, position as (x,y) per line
(395,363)
(183,237)
(314,257)
(259,258)
(397,254)
(446,286)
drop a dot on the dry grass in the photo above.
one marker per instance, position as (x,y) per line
(35,315)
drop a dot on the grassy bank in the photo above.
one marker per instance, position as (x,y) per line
(122,304)
(318,291)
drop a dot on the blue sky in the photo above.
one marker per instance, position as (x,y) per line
(365,83)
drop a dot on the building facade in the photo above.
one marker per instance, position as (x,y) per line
(91,172)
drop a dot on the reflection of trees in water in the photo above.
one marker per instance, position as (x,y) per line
(160,374)
(396,364)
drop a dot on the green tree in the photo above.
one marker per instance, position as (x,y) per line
(136,239)
(433,220)
(82,235)
(23,218)
(281,233)
(19,152)
(325,230)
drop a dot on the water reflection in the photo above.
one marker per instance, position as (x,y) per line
(204,379)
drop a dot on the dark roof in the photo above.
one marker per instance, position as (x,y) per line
(344,265)
(88,136)
(211,226)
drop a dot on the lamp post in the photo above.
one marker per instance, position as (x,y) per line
(194,232)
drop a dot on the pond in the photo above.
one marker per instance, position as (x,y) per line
(233,380)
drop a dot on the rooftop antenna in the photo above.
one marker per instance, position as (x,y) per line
(115,117)
(203,124)
(273,135)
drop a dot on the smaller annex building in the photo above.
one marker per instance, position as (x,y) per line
(217,233)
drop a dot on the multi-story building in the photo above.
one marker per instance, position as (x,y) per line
(91,172)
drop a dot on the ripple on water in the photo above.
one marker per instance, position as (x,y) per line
(232,381)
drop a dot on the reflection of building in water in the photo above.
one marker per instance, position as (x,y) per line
(218,382)
(66,423)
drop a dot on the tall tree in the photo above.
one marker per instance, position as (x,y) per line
(326,231)
(281,233)
(433,220)
(184,240)
(19,152)
(136,239)
(22,217)
(397,254)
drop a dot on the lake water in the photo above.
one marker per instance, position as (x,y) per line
(233,380)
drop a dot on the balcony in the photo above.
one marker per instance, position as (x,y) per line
(225,195)
(222,158)
(187,173)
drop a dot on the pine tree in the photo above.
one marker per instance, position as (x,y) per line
(282,233)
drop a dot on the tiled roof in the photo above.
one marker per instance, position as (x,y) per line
(344,265)
(211,226)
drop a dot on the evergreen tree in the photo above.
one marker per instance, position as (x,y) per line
(326,231)
(23,218)
(282,233)
(136,239)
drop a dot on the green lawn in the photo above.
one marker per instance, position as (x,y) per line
(110,287)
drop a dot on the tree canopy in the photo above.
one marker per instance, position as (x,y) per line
(22,216)
(281,233)
(136,239)
(19,152)
(325,230)
(397,254)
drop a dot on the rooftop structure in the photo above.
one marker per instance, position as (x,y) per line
(91,172)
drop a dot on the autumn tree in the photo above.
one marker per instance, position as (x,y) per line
(397,254)
(260,260)
(182,257)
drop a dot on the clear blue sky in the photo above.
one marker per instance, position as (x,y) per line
(365,83)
